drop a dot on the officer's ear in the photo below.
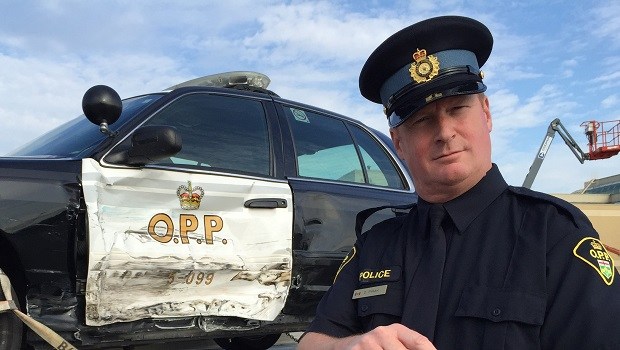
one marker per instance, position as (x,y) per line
(396,139)
(486,110)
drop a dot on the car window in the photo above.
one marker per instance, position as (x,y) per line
(325,149)
(379,166)
(219,132)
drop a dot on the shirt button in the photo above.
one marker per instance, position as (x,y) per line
(364,308)
(496,312)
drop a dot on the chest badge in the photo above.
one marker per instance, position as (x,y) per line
(593,253)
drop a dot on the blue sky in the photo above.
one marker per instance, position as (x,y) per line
(551,59)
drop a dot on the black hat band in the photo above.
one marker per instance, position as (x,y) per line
(409,104)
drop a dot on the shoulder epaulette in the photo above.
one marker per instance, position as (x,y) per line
(363,215)
(574,212)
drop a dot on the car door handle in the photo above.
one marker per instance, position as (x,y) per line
(266,203)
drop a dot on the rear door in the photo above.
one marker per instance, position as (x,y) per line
(337,167)
(206,232)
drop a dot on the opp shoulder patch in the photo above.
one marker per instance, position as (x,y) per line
(345,261)
(593,253)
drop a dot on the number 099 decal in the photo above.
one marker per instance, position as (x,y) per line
(187,223)
(193,277)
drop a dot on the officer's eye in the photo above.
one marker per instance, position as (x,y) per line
(419,120)
(459,108)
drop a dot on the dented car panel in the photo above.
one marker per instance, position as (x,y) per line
(154,255)
(112,240)
(40,206)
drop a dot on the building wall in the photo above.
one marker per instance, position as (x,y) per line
(604,212)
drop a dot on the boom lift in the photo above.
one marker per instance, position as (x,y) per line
(603,142)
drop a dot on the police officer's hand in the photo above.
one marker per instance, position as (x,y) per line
(395,336)
(392,337)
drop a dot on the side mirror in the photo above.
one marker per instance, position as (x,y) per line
(102,106)
(149,144)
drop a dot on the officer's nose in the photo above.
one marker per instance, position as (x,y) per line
(444,127)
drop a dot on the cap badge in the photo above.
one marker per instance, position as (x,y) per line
(423,68)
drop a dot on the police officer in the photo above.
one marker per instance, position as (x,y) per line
(476,264)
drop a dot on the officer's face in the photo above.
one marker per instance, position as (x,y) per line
(446,145)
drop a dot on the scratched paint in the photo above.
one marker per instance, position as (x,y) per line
(243,271)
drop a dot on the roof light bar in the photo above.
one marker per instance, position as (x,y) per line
(227,79)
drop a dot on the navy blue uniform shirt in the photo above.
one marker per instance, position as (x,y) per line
(524,270)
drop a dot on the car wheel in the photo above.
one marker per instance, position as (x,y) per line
(11,330)
(259,342)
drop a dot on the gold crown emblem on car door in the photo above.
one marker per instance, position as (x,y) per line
(190,197)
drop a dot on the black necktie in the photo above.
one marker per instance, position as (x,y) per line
(420,313)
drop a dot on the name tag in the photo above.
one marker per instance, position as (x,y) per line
(369,292)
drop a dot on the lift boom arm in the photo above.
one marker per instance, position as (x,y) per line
(554,126)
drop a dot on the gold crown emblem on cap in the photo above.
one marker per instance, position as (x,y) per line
(596,245)
(190,197)
(424,68)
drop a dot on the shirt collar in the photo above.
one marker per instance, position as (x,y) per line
(466,207)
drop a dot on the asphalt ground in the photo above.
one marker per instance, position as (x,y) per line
(284,343)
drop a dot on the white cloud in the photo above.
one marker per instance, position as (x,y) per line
(608,80)
(610,101)
(318,32)
(570,63)
(607,20)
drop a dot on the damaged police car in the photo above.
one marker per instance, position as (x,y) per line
(214,209)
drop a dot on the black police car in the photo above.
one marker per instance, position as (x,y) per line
(213,209)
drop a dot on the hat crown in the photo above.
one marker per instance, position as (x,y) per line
(433,35)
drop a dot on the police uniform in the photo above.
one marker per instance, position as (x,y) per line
(523,270)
